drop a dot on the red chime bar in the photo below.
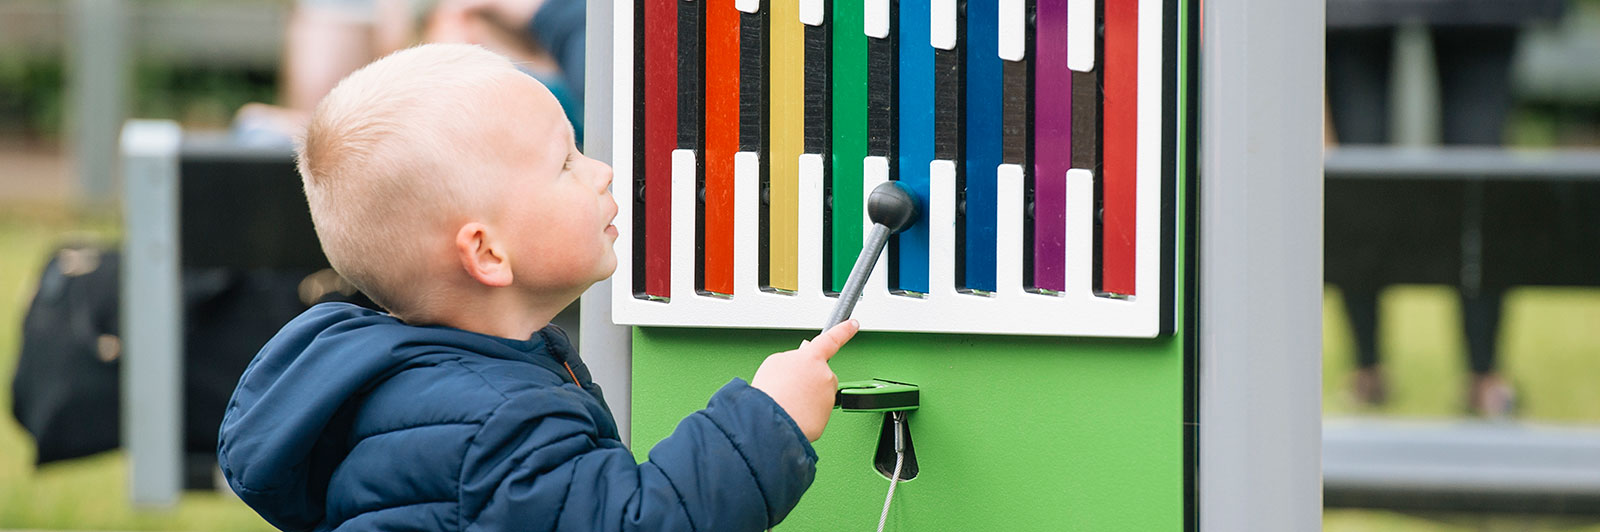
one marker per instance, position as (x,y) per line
(660,138)
(722,142)
(1118,183)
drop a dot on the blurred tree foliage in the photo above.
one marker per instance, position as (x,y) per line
(31,99)
(34,101)
(198,97)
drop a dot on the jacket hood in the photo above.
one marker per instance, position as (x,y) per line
(289,422)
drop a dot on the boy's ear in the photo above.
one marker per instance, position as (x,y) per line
(482,255)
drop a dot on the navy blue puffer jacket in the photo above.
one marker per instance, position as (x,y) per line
(351,420)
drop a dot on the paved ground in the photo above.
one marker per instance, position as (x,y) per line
(34,171)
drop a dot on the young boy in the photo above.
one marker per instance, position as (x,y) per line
(446,186)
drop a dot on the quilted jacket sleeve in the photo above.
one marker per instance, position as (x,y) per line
(537,464)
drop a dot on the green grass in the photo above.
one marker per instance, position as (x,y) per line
(1549,348)
(1550,342)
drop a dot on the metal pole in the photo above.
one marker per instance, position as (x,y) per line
(1414,116)
(152,314)
(99,76)
(607,347)
(1260,277)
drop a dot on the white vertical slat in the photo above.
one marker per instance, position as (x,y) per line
(876,18)
(874,172)
(811,12)
(1009,231)
(1147,216)
(684,224)
(941,230)
(622,163)
(809,268)
(942,32)
(1081,35)
(1080,233)
(1013,30)
(746,223)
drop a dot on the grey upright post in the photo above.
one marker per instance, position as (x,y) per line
(98,80)
(1260,277)
(607,347)
(152,313)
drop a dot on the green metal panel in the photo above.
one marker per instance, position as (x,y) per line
(849,135)
(1013,433)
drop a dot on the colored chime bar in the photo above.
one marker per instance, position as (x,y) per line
(909,249)
(1053,156)
(978,84)
(722,120)
(786,142)
(976,186)
(660,118)
(843,187)
(1120,148)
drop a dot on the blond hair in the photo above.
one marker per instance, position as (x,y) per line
(382,158)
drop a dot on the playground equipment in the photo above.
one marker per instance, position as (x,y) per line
(1089,328)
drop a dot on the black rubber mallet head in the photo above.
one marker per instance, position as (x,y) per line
(892,208)
(891,205)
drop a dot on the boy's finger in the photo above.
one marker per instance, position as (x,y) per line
(829,342)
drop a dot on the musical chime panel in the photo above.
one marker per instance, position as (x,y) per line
(749,132)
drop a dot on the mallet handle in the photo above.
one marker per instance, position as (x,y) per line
(858,275)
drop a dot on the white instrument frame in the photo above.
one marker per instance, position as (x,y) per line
(1076,311)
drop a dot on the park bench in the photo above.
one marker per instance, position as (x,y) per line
(1461,466)
(1462,216)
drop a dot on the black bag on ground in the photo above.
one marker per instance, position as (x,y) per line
(66,389)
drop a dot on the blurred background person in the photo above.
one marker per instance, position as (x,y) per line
(555,26)
(545,38)
(328,39)
(324,41)
(1473,43)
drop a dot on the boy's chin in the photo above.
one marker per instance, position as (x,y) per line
(608,271)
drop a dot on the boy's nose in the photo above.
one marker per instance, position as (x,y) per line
(605,175)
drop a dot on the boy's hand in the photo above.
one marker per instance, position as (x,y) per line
(800,380)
